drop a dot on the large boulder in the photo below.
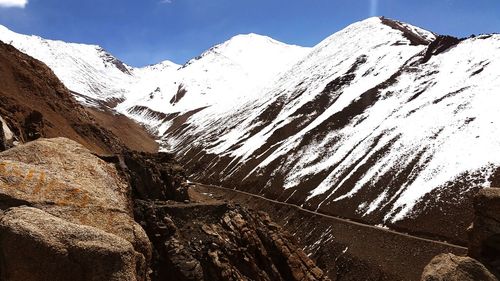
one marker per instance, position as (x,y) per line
(448,267)
(36,246)
(484,236)
(66,180)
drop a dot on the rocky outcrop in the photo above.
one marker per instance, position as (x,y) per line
(7,138)
(219,241)
(483,263)
(72,210)
(65,180)
(439,45)
(484,242)
(37,246)
(154,176)
(448,267)
(208,240)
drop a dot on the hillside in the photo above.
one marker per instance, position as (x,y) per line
(34,104)
(382,122)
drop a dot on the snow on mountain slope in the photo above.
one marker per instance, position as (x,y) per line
(222,77)
(86,69)
(225,75)
(374,125)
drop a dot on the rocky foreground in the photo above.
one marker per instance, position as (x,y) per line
(483,261)
(69,204)
(68,214)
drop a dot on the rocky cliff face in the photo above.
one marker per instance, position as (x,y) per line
(197,238)
(484,236)
(483,262)
(220,241)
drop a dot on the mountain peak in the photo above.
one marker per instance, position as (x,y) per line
(242,49)
(252,38)
(416,35)
(166,64)
(379,30)
(240,43)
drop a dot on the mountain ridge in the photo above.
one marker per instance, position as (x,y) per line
(337,165)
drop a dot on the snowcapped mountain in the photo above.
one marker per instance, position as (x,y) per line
(382,122)
(221,78)
(240,66)
(85,69)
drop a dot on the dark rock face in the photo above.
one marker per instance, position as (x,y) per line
(448,267)
(3,144)
(33,126)
(484,244)
(412,36)
(439,45)
(209,240)
(154,176)
(181,92)
(219,241)
(112,60)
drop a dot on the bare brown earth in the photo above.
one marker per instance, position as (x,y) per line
(34,104)
(132,134)
(344,249)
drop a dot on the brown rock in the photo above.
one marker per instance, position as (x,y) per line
(155,176)
(219,241)
(484,237)
(65,179)
(448,267)
(36,246)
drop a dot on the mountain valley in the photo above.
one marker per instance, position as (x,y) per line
(367,148)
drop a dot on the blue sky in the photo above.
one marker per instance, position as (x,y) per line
(142,32)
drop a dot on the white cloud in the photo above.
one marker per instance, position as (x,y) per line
(13,3)
(162,1)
